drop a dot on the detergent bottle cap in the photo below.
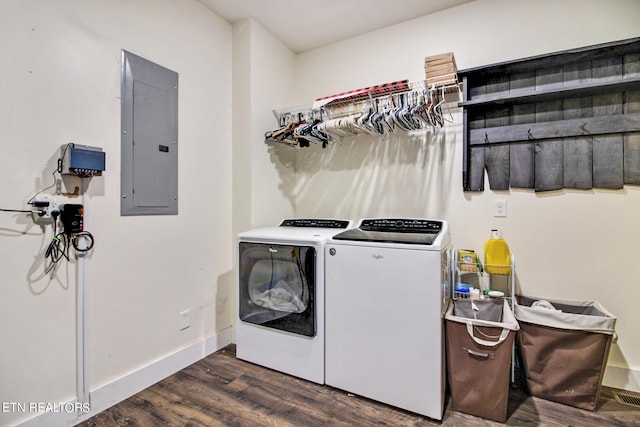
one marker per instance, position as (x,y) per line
(495,234)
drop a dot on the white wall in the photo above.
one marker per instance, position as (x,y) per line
(262,71)
(61,83)
(272,167)
(569,244)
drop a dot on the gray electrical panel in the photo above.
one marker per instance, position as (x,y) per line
(149,139)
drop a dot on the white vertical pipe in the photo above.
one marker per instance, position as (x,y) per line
(82,383)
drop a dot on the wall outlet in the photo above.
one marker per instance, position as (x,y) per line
(500,208)
(185,320)
(43,206)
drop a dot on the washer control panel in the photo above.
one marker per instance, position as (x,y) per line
(401,225)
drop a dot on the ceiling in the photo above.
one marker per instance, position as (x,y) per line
(306,24)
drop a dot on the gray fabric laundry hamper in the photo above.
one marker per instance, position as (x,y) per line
(564,346)
(486,309)
(479,361)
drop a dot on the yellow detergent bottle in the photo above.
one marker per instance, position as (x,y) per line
(497,258)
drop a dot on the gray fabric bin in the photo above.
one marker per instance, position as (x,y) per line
(482,309)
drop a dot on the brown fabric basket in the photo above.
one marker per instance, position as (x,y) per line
(564,353)
(479,362)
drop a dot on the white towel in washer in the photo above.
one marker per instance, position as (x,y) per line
(280,298)
(287,293)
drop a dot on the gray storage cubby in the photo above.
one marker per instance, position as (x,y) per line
(569,119)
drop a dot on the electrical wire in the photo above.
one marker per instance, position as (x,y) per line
(53,173)
(59,246)
(61,242)
(86,236)
(16,210)
(61,158)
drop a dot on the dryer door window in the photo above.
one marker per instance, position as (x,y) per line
(277,286)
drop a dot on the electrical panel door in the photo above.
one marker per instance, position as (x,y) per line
(149,140)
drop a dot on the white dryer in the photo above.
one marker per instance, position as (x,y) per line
(388,285)
(281,296)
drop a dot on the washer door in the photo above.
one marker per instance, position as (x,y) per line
(277,286)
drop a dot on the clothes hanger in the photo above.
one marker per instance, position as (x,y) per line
(423,114)
(437,111)
(363,121)
(397,114)
(448,109)
(376,119)
(388,122)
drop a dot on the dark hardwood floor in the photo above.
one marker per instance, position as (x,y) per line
(221,390)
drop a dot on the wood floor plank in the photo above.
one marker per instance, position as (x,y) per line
(221,390)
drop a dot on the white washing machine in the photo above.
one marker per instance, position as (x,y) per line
(281,296)
(388,285)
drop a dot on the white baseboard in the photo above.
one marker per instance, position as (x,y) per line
(122,388)
(622,378)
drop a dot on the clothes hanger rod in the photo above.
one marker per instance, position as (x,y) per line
(412,86)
